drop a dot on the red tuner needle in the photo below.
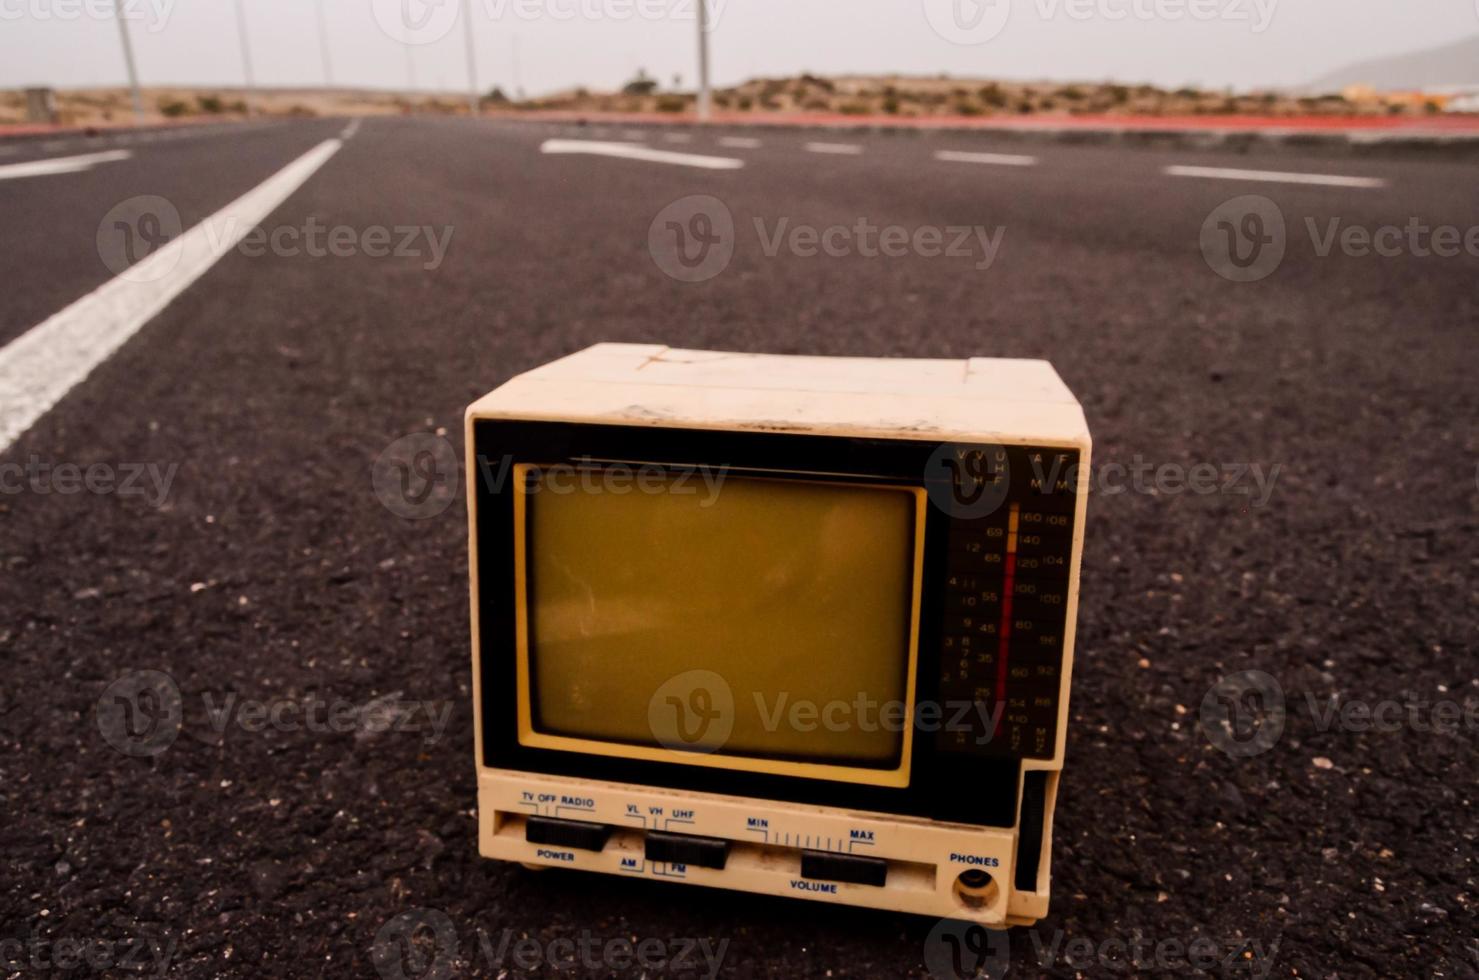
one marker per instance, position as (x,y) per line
(1006,619)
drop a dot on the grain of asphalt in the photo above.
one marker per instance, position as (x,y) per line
(271,572)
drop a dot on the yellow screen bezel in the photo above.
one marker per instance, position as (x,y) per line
(894,778)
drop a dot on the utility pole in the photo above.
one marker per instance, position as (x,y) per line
(703,59)
(323,46)
(472,59)
(246,55)
(518,92)
(128,60)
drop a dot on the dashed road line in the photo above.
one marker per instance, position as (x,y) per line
(997,159)
(38,368)
(841,149)
(677,137)
(739,142)
(61,165)
(347,133)
(1274,176)
(628,151)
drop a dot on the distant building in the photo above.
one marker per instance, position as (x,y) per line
(1457,98)
(1464,103)
(41,105)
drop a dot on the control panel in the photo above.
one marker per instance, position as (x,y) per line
(976,873)
(1006,596)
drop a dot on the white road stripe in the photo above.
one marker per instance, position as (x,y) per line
(739,142)
(348,131)
(1275,177)
(1000,159)
(39,367)
(677,137)
(844,149)
(61,165)
(629,152)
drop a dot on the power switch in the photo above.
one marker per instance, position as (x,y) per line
(830,866)
(567,833)
(701,852)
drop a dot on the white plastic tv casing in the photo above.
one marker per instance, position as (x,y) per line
(975,401)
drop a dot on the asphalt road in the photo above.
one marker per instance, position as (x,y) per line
(265,568)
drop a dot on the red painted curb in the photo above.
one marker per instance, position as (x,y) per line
(1416,126)
(43,129)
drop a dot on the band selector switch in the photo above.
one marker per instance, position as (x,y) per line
(700,852)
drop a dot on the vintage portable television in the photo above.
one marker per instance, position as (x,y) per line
(791,625)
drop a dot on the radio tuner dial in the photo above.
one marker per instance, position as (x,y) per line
(1005,609)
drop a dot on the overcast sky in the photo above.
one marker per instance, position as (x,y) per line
(601,43)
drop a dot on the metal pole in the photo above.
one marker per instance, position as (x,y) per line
(472,59)
(246,54)
(518,92)
(703,59)
(128,60)
(323,46)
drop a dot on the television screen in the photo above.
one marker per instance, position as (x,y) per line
(799,596)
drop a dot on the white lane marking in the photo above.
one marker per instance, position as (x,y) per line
(61,165)
(739,142)
(843,149)
(677,137)
(1275,177)
(635,135)
(630,152)
(999,159)
(347,133)
(39,367)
